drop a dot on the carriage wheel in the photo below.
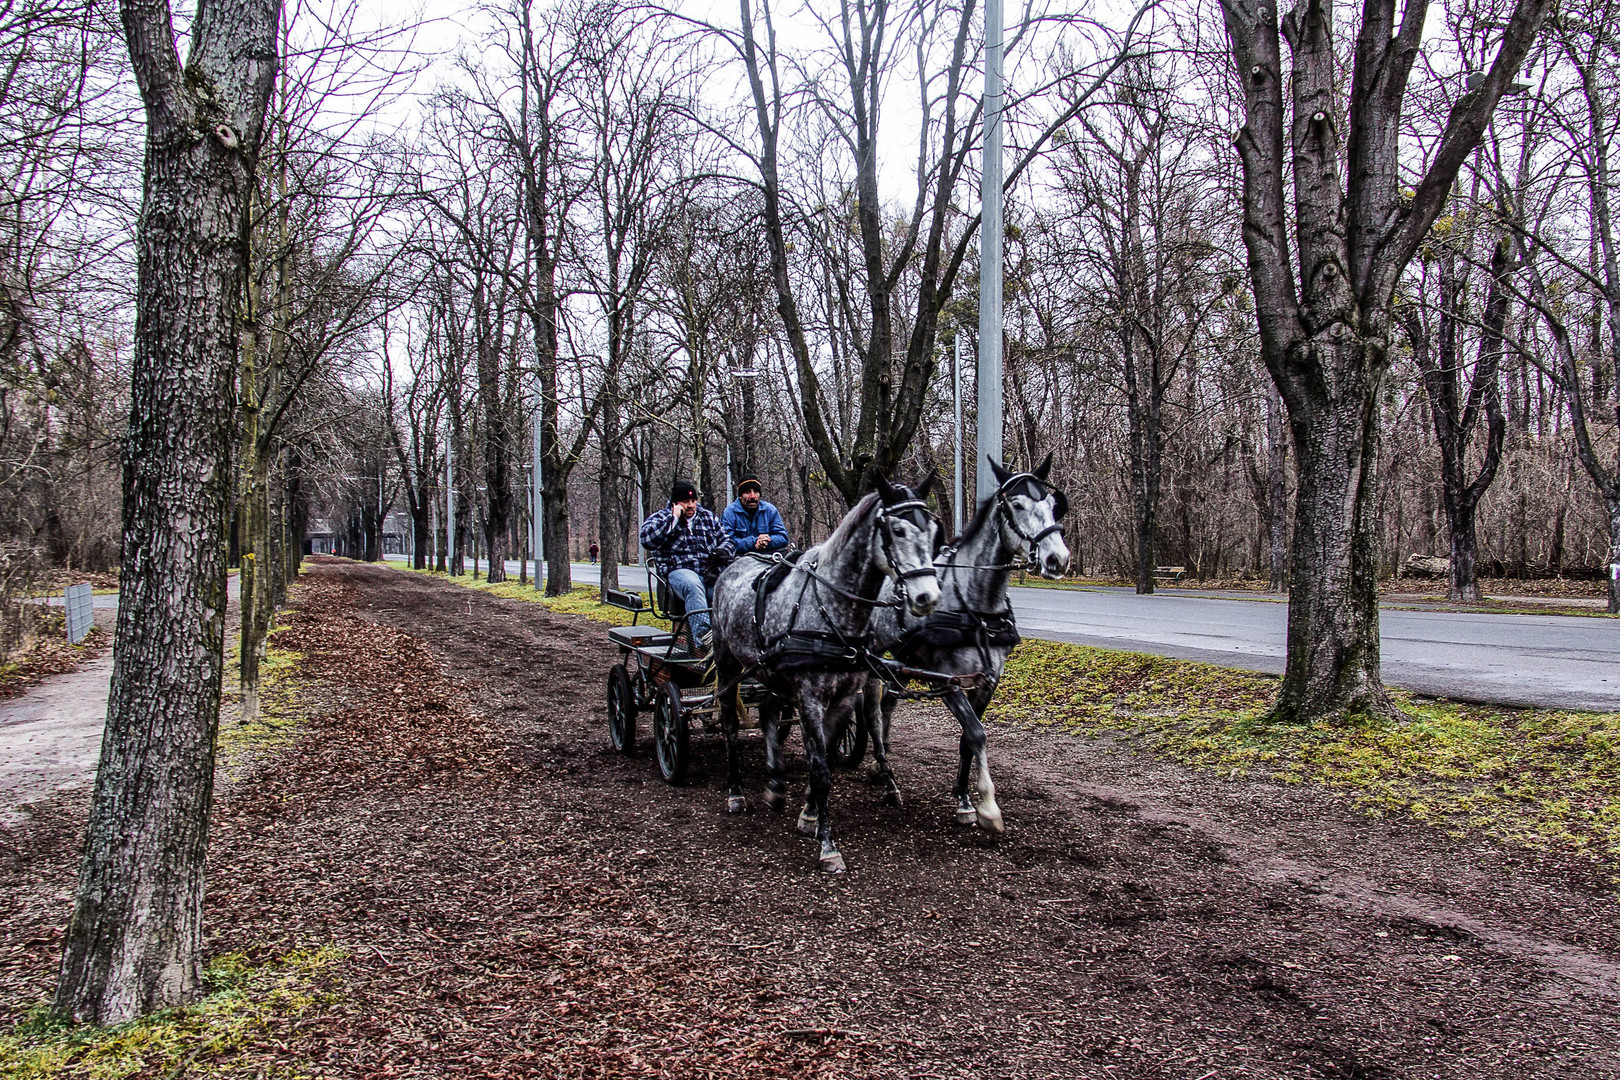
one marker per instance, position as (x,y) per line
(849,748)
(669,733)
(621,708)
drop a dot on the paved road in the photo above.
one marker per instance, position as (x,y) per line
(1542,661)
(50,737)
(1545,661)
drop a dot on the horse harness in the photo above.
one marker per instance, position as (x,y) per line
(831,650)
(941,630)
(983,630)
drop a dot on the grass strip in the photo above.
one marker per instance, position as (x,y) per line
(581,600)
(247,1006)
(1539,778)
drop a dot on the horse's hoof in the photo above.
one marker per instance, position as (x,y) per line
(736,804)
(991,820)
(966,815)
(775,800)
(832,862)
(808,823)
(892,797)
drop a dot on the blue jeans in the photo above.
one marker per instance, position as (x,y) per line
(688,585)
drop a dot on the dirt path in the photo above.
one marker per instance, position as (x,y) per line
(518,900)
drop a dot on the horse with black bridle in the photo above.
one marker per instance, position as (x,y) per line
(971,631)
(804,630)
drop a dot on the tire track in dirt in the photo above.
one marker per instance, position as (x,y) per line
(1137,919)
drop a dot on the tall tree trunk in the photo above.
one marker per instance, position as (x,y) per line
(1333,643)
(1324,311)
(1144,489)
(134,942)
(498,501)
(1277,493)
(1455,414)
(608,496)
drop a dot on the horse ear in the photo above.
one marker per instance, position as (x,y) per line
(885,490)
(1060,504)
(1040,471)
(928,483)
(1002,475)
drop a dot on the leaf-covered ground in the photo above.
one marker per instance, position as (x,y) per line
(438,867)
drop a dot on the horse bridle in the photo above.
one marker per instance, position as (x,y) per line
(1060,505)
(888,550)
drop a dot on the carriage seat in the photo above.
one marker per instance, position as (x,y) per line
(632,637)
(669,605)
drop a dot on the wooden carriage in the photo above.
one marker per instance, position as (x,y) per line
(658,671)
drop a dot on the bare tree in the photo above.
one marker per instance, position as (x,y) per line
(1326,329)
(924,250)
(134,943)
(1146,226)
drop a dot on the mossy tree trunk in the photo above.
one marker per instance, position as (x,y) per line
(134,942)
(1324,267)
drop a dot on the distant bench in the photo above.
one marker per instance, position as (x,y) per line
(1170,574)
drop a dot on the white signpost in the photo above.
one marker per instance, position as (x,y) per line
(80,611)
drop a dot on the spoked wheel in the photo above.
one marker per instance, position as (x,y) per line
(621,707)
(849,748)
(669,733)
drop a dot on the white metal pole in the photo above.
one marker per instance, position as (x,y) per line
(536,522)
(990,321)
(956,396)
(450,503)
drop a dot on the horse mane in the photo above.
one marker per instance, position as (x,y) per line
(846,527)
(977,522)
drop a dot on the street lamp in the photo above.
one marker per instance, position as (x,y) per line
(990,319)
(746,377)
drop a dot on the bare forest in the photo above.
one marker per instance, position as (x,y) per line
(1301,300)
(555,255)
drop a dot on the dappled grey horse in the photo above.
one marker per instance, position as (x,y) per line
(804,630)
(972,629)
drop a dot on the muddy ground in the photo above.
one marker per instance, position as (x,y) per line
(517,900)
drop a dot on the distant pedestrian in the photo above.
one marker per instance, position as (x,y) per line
(595,550)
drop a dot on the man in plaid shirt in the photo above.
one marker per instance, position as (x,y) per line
(680,537)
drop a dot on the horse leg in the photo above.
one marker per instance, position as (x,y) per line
(986,813)
(770,723)
(879,707)
(810,815)
(812,731)
(735,802)
(972,749)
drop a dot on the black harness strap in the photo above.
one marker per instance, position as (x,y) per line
(829,650)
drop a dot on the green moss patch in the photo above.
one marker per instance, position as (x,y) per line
(1543,779)
(247,1006)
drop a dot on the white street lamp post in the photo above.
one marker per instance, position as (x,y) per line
(990,320)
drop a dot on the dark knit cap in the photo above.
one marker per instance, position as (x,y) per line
(747,478)
(682,490)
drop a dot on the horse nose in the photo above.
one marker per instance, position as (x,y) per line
(1057,563)
(925,597)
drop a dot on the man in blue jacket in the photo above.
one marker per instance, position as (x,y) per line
(750,522)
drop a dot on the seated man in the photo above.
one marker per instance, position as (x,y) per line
(751,523)
(680,538)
